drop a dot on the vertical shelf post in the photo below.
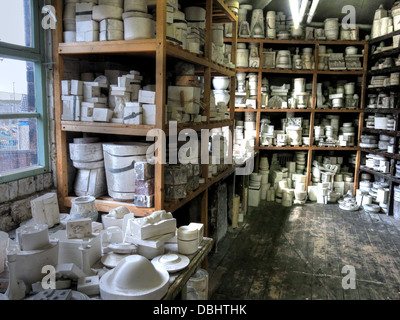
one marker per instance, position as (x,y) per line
(61,136)
(161,86)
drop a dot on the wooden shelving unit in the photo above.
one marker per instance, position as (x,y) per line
(316,77)
(393,157)
(162,52)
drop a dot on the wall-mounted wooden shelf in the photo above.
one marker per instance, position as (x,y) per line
(385,54)
(383,38)
(378,89)
(105,128)
(381,110)
(105,204)
(132,47)
(384,71)
(393,157)
(381,153)
(308,148)
(286,110)
(288,71)
(342,73)
(162,52)
(379,131)
(301,110)
(315,76)
(300,42)
(386,176)
(339,110)
(172,206)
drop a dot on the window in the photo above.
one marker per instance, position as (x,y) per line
(23,121)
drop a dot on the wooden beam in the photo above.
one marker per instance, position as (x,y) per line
(161,87)
(61,137)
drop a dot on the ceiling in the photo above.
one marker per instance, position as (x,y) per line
(365,9)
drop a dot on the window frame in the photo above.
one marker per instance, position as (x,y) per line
(35,54)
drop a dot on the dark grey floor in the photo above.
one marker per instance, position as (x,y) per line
(298,254)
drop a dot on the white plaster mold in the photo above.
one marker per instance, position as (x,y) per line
(89,285)
(79,229)
(70,249)
(45,210)
(158,223)
(171,262)
(134,278)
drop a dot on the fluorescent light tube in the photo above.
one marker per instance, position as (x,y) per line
(294,8)
(312,11)
(303,8)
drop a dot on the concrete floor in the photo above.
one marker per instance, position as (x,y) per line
(298,253)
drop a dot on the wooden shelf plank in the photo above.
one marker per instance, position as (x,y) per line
(202,126)
(273,110)
(172,206)
(175,205)
(337,110)
(245,110)
(342,72)
(222,13)
(377,89)
(107,204)
(306,148)
(246,40)
(195,263)
(386,53)
(342,42)
(139,47)
(378,131)
(275,70)
(221,176)
(382,153)
(287,71)
(105,128)
(322,148)
(384,71)
(296,42)
(106,47)
(381,110)
(290,41)
(286,110)
(383,38)
(132,130)
(386,176)
(177,52)
(283,148)
(253,70)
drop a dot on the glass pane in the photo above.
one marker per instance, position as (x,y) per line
(18,144)
(17,86)
(16,22)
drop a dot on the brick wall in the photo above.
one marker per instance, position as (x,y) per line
(16,196)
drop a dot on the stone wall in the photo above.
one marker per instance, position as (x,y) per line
(16,196)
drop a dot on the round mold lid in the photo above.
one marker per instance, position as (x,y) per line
(172,262)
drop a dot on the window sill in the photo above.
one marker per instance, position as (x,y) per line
(22,173)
